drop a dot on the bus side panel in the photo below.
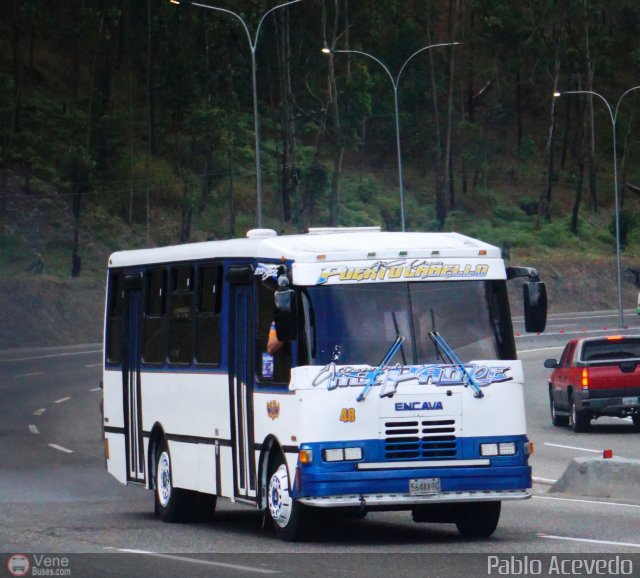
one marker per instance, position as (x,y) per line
(184,464)
(112,395)
(192,409)
(276,414)
(207,469)
(226,471)
(117,461)
(188,404)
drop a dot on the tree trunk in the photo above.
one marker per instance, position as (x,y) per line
(544,204)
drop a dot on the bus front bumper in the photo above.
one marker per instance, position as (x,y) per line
(400,501)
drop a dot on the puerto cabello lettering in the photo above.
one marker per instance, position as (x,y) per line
(403,269)
(391,376)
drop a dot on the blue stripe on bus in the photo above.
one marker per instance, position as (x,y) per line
(337,478)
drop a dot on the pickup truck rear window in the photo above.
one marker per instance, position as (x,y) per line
(611,349)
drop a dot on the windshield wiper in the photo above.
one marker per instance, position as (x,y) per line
(373,374)
(439,341)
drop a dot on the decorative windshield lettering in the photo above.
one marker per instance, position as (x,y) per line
(417,269)
(390,376)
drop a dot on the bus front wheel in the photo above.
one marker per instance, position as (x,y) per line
(478,519)
(287,515)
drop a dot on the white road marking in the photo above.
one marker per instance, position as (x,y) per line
(33,429)
(50,355)
(198,561)
(590,541)
(29,374)
(62,400)
(40,411)
(94,365)
(539,349)
(96,389)
(60,448)
(573,448)
(583,501)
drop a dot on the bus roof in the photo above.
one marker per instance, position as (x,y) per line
(319,245)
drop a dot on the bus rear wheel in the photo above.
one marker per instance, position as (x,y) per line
(478,519)
(171,504)
(287,515)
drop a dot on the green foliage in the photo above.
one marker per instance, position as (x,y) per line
(628,224)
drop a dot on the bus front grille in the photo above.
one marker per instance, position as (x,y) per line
(420,439)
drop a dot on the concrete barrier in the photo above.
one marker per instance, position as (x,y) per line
(615,477)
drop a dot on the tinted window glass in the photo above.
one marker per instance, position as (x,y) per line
(602,350)
(208,315)
(114,318)
(181,316)
(357,324)
(275,368)
(155,296)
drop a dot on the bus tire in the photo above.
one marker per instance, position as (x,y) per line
(478,519)
(578,420)
(285,513)
(171,504)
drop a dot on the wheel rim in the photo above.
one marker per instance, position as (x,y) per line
(163,482)
(573,413)
(553,410)
(279,500)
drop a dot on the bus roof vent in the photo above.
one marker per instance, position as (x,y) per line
(261,233)
(329,230)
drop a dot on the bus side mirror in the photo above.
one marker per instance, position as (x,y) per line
(535,306)
(285,313)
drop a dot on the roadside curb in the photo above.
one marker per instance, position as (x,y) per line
(615,477)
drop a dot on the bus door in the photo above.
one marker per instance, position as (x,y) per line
(241,353)
(131,343)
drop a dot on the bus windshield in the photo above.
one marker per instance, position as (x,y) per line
(356,324)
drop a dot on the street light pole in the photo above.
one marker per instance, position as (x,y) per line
(253,43)
(394,82)
(613,114)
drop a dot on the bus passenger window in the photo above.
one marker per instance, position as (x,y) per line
(181,316)
(208,315)
(276,367)
(154,312)
(114,318)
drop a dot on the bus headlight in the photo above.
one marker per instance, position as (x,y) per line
(501,449)
(342,454)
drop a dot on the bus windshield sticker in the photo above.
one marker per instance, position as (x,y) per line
(403,269)
(389,377)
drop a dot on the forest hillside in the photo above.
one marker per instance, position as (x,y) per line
(130,124)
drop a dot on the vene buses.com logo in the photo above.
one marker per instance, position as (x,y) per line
(18,565)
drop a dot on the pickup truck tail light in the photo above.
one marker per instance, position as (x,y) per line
(585,378)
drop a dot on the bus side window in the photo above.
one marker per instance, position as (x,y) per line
(154,314)
(181,316)
(208,315)
(114,318)
(280,370)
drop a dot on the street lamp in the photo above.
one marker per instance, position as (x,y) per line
(253,43)
(394,83)
(614,117)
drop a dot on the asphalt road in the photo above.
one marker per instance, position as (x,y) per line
(55,496)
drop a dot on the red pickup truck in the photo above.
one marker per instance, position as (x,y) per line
(595,376)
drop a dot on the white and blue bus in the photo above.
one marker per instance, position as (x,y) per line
(394,384)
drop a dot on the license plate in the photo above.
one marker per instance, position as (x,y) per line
(424,486)
(629,401)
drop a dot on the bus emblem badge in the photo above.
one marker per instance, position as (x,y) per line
(273,409)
